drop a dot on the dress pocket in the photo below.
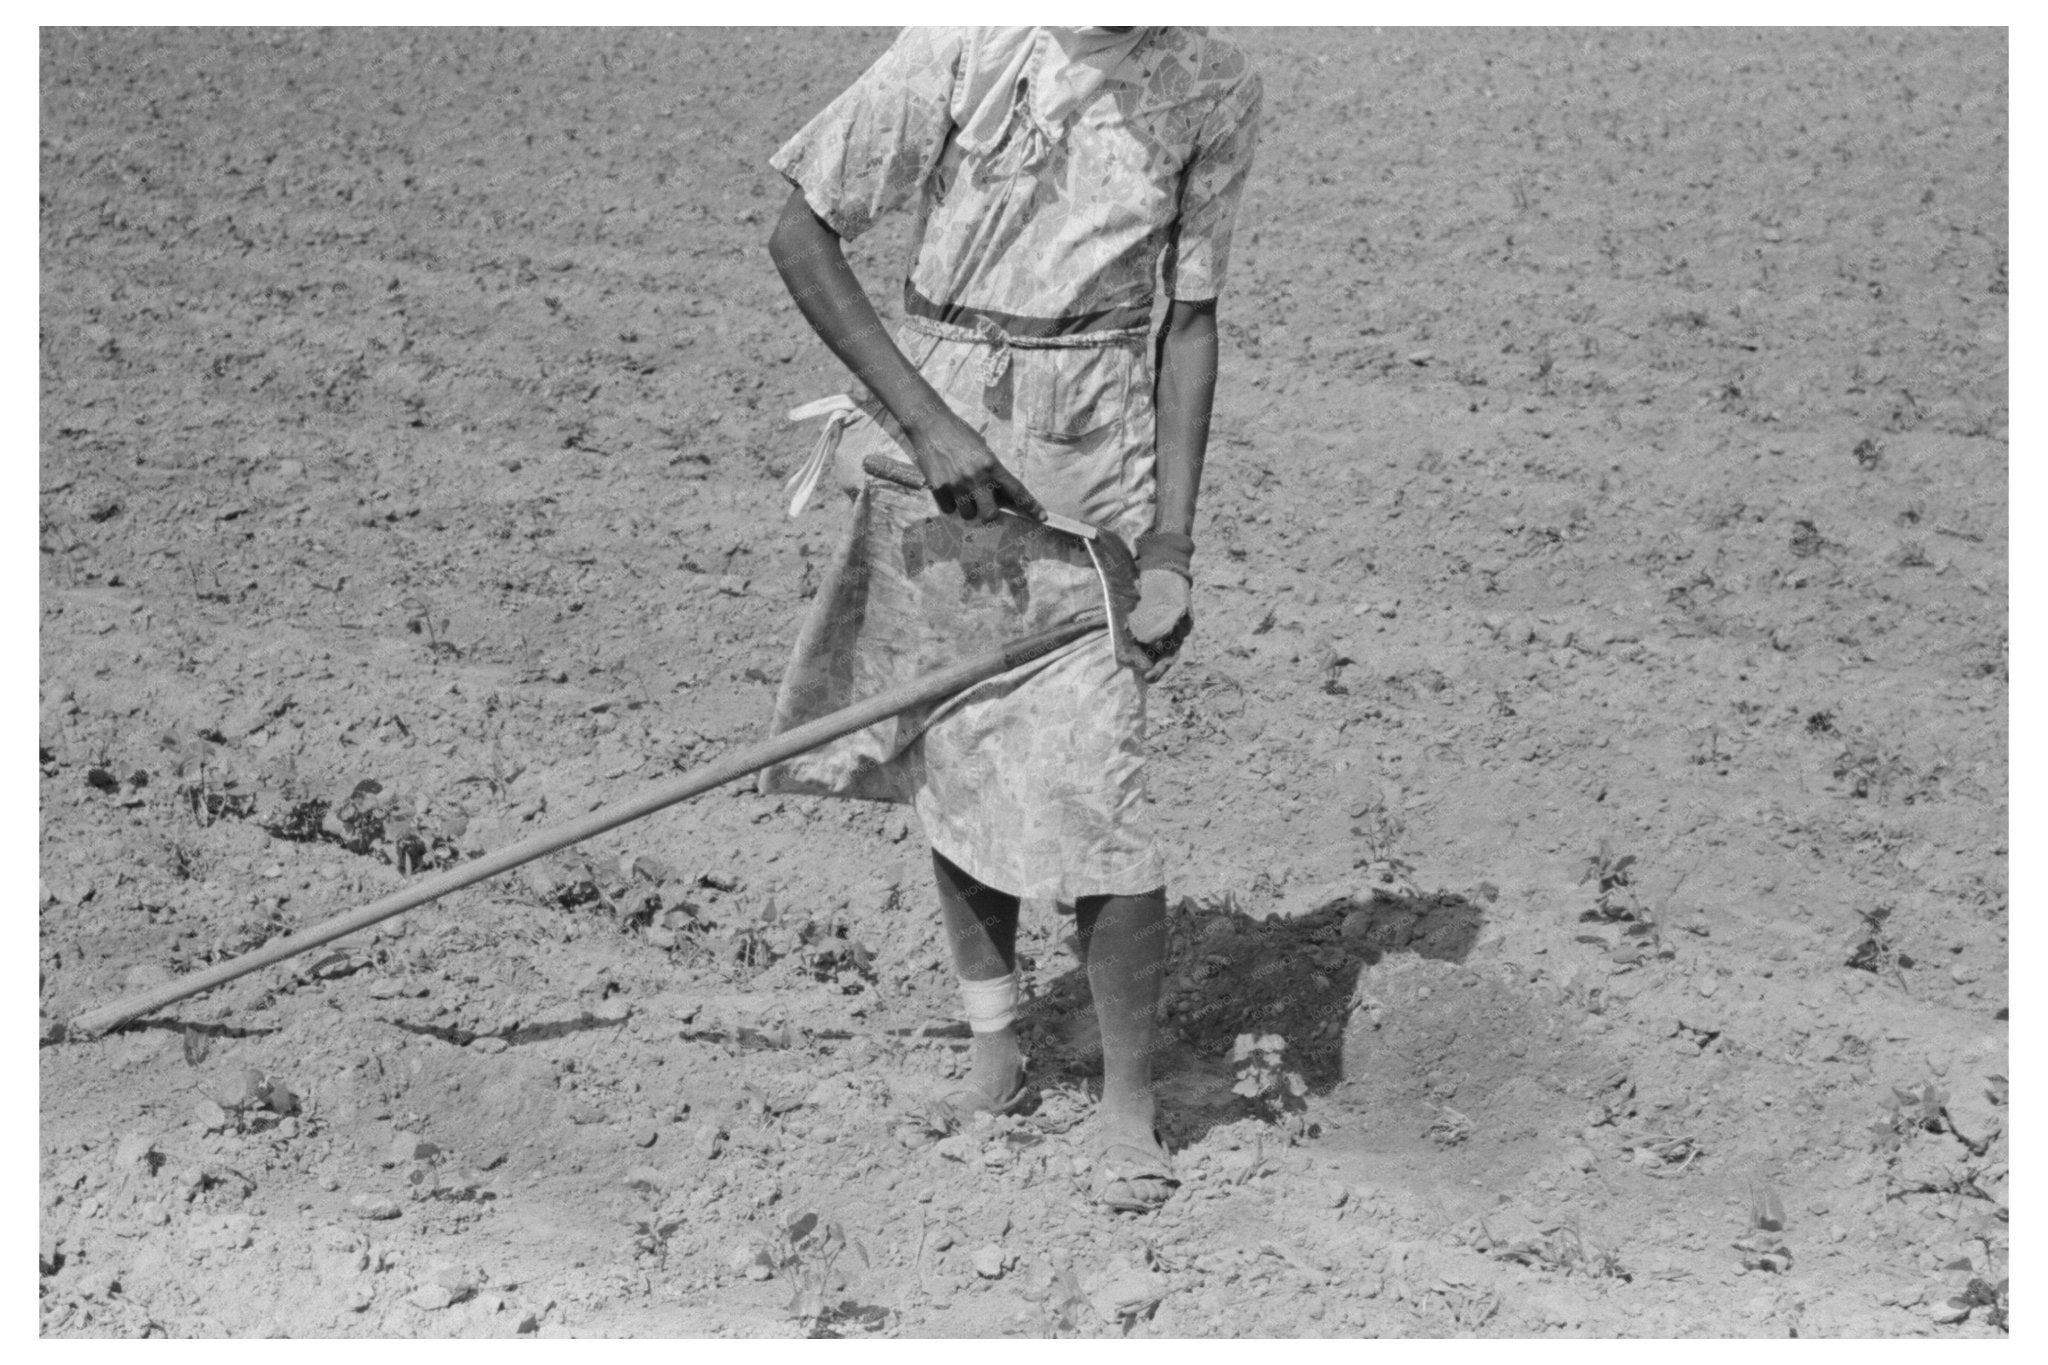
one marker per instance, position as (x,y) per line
(1066,396)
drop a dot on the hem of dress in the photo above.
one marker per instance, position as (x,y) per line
(1071,888)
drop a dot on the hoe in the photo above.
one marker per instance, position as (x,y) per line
(1113,565)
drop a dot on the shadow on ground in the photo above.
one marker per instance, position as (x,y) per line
(1231,973)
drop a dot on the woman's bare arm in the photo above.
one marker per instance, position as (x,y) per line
(964,475)
(1185,391)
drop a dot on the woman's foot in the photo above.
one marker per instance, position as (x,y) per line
(1132,1172)
(996,1063)
(995,1079)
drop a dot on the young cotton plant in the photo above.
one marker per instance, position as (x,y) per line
(1263,1078)
(660,1216)
(806,1252)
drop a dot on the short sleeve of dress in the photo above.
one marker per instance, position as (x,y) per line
(870,149)
(1212,182)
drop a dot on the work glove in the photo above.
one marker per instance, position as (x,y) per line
(1161,620)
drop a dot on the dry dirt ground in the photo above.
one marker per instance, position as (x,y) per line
(1610,462)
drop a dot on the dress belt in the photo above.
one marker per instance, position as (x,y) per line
(959,322)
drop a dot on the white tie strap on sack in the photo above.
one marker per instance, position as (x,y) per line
(839,412)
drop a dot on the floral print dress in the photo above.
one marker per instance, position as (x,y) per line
(1028,307)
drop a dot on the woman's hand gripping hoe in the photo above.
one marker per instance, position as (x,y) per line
(1115,566)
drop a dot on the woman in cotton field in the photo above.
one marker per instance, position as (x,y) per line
(1058,176)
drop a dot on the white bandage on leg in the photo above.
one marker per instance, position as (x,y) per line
(991,1005)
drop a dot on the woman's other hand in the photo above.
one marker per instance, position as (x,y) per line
(1161,620)
(964,475)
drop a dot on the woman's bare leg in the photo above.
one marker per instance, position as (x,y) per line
(981,925)
(1123,947)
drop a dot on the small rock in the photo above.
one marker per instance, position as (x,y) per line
(708,1140)
(1944,1312)
(988,1262)
(583,1112)
(432,1297)
(943,1239)
(1125,1290)
(833,1093)
(452,1278)
(374,1207)
(407,1147)
(958,1147)
(759,1271)
(644,1135)
(1971,1111)
(211,1116)
(230,1232)
(489,1042)
(135,1151)
(1580,1159)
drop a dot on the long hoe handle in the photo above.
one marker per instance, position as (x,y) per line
(931,687)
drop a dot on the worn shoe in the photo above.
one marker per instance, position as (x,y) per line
(1129,1179)
(958,1108)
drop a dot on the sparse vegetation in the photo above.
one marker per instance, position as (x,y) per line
(1263,1078)
(1763,1246)
(1870,767)
(1614,898)
(1876,953)
(807,1254)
